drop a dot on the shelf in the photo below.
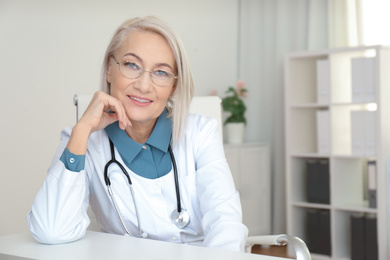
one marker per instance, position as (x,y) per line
(357,208)
(358,104)
(311,205)
(313,105)
(342,156)
(347,208)
(309,155)
(337,111)
(333,156)
(370,106)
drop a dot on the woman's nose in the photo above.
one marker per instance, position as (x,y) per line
(144,83)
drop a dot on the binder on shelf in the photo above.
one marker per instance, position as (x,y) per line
(357,74)
(369,132)
(312,180)
(312,236)
(318,237)
(371,183)
(371,239)
(317,181)
(357,133)
(323,81)
(364,237)
(363,79)
(358,237)
(324,182)
(324,232)
(363,133)
(323,131)
(369,79)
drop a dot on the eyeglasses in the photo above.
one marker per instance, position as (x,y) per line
(133,70)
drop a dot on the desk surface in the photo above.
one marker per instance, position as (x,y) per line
(96,245)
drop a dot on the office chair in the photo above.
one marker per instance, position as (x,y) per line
(210,106)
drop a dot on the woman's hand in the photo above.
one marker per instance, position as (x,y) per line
(101,111)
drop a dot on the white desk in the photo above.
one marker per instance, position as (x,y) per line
(96,245)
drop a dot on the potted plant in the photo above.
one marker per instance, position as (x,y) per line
(234,104)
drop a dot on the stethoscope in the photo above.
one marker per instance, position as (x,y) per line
(179,216)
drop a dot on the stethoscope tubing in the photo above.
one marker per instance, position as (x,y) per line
(113,160)
(175,175)
(108,184)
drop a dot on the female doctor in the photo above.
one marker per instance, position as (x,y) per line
(146,166)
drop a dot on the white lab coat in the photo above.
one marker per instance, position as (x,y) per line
(59,211)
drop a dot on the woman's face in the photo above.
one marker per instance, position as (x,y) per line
(142,99)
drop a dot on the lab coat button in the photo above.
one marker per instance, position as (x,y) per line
(71,160)
(174,238)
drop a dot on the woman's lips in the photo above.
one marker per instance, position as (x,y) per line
(139,101)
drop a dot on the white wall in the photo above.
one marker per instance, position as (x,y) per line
(51,50)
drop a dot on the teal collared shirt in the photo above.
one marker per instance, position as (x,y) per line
(150,160)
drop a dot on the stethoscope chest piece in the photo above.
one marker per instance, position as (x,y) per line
(180,219)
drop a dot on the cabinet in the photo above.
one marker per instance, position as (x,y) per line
(250,167)
(325,91)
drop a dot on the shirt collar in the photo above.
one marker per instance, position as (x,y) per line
(162,132)
(129,149)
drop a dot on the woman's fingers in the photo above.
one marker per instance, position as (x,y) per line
(117,108)
(104,110)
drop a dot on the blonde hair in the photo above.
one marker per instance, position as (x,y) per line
(181,99)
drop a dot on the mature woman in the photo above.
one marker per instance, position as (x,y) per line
(138,131)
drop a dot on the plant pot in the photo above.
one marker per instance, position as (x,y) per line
(234,133)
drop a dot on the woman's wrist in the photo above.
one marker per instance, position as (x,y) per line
(78,140)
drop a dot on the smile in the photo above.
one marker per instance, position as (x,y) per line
(141,100)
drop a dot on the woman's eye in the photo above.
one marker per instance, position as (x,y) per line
(161,73)
(131,65)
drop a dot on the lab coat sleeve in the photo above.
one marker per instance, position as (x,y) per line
(59,211)
(219,201)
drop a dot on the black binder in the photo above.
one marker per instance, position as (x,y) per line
(312,224)
(323,185)
(371,183)
(317,181)
(324,232)
(358,251)
(312,180)
(371,239)
(318,231)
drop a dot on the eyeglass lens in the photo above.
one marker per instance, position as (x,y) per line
(132,70)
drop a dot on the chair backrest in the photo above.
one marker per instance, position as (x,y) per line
(81,102)
(209,106)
